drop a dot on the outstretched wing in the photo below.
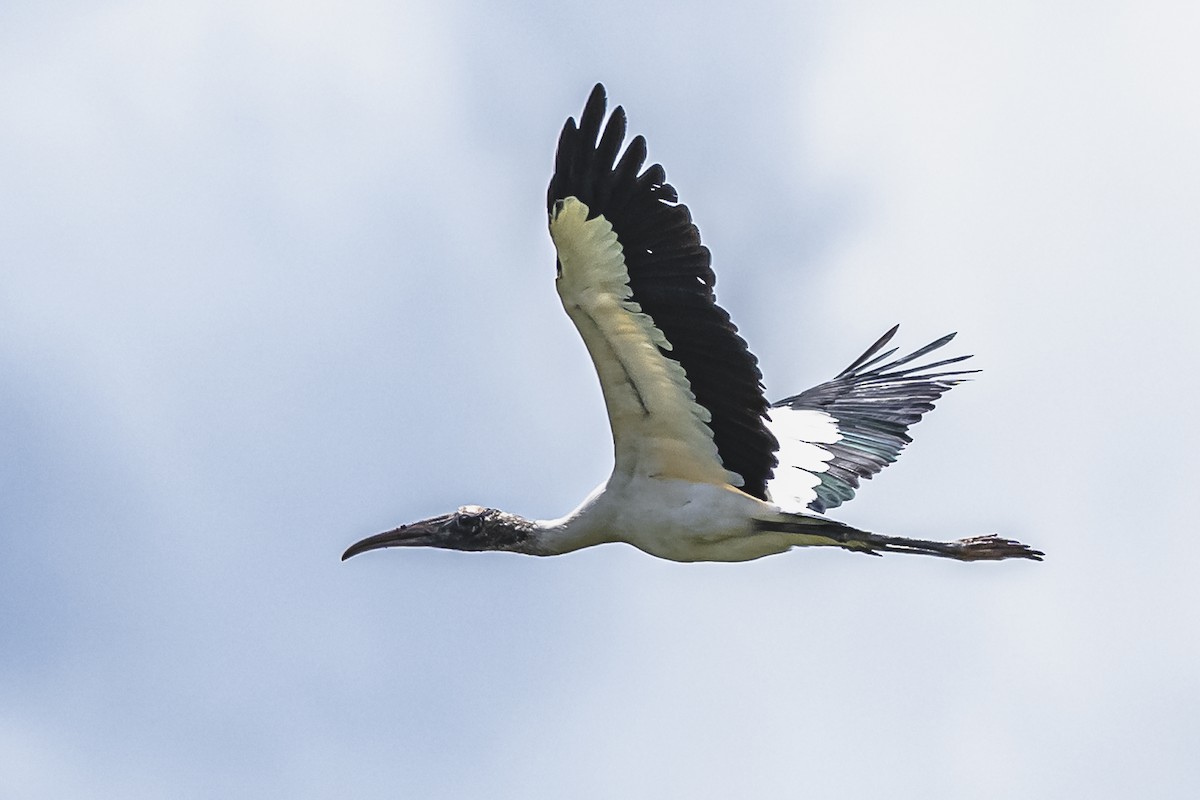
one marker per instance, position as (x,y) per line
(683,392)
(846,430)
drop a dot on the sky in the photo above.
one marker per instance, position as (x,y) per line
(275,276)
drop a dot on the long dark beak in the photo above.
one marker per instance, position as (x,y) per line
(426,533)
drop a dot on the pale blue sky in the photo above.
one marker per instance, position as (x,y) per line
(275,276)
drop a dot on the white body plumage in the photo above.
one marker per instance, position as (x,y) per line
(671,518)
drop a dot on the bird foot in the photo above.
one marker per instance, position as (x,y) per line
(993,548)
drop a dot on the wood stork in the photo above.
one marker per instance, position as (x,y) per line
(696,444)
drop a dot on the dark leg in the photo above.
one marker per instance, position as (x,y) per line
(973,548)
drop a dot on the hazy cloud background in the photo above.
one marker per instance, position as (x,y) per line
(275,276)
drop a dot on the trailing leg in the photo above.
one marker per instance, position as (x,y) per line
(973,548)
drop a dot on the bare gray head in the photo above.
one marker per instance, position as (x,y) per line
(471,528)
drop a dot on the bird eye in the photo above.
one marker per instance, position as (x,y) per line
(471,522)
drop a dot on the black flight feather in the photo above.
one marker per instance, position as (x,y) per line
(873,405)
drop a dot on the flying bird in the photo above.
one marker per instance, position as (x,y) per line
(704,468)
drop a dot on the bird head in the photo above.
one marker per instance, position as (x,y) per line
(472,528)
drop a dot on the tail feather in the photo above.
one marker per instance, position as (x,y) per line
(819,530)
